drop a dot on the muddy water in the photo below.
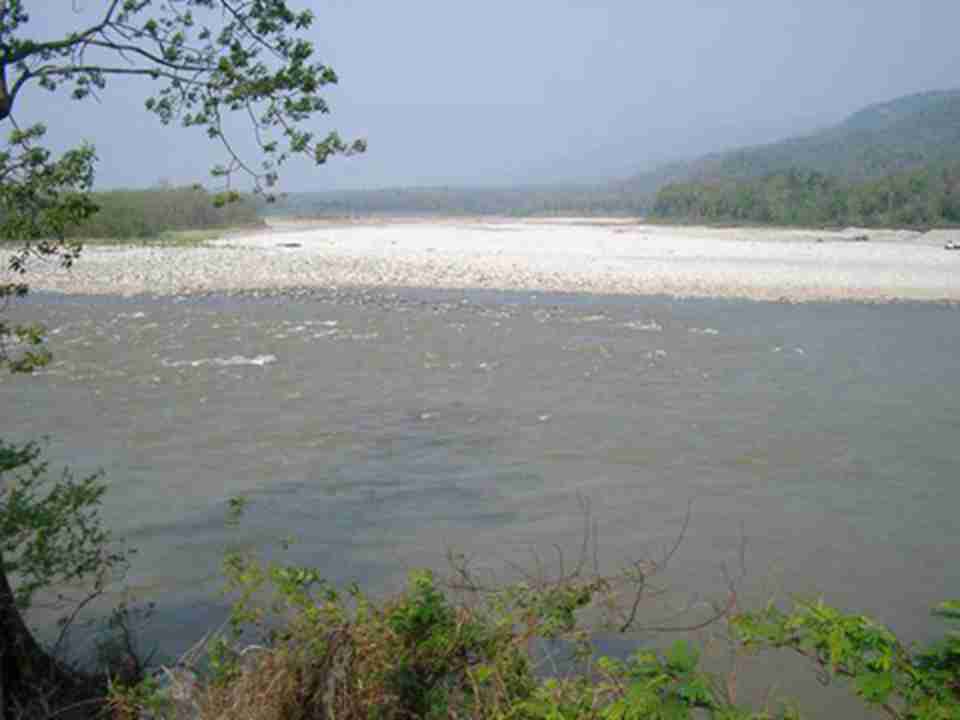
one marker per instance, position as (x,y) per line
(380,428)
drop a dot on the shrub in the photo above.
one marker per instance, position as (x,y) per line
(326,653)
(142,214)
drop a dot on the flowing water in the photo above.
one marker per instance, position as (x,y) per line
(381,428)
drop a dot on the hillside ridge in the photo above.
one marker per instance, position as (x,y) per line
(873,142)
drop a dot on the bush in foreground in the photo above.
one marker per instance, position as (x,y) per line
(298,648)
(425,654)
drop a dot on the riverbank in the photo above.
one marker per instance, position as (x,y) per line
(614,256)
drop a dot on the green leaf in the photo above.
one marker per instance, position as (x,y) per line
(875,687)
(683,657)
(948,609)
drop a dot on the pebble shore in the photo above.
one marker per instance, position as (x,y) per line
(599,257)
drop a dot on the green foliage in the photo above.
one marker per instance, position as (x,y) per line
(41,197)
(881,140)
(148,214)
(445,201)
(421,654)
(456,649)
(907,684)
(132,701)
(50,532)
(925,197)
(208,58)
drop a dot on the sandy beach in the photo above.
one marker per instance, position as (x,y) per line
(565,255)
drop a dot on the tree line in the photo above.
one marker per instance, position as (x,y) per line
(515,202)
(143,214)
(925,197)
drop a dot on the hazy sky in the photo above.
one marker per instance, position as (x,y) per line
(545,91)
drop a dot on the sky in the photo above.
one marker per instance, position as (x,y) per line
(508,92)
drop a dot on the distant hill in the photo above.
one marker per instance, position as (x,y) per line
(880,140)
(910,134)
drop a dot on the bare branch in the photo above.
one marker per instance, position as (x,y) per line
(122,48)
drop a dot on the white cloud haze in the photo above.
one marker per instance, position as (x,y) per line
(545,91)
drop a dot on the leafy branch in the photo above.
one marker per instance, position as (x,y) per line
(209,58)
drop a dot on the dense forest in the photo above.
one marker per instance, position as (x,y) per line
(517,202)
(142,214)
(887,138)
(924,197)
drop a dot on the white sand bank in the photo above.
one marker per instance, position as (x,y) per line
(545,255)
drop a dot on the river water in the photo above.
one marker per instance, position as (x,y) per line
(380,428)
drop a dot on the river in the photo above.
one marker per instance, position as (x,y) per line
(380,428)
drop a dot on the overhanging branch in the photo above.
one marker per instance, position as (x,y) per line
(72,40)
(100,69)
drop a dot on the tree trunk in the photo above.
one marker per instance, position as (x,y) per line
(28,674)
(6,102)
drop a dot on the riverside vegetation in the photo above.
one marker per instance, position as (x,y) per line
(164,215)
(926,197)
(161,213)
(296,647)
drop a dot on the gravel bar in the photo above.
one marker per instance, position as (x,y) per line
(572,255)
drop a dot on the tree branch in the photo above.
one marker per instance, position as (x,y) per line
(110,45)
(147,72)
(239,19)
(75,39)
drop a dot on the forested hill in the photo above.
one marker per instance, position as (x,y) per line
(913,134)
(880,140)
